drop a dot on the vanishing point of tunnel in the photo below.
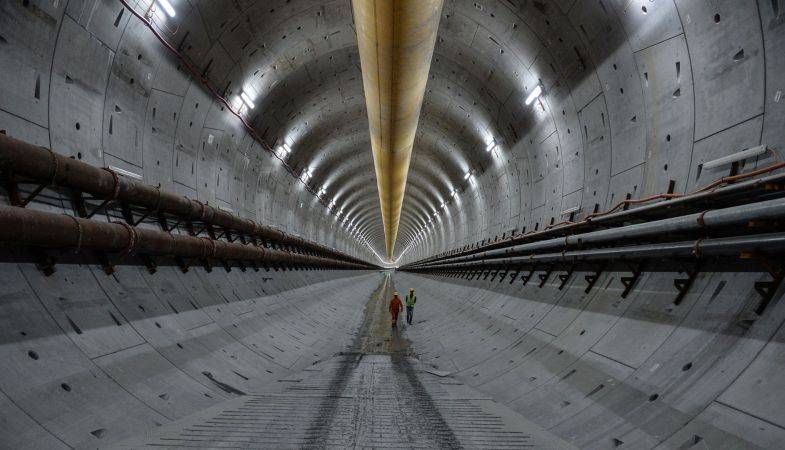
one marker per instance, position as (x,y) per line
(207,208)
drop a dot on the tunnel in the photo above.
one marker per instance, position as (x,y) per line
(208,205)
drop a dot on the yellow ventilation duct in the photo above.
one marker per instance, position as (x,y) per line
(396,40)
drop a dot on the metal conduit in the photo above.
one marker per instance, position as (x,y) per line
(740,192)
(20,226)
(21,159)
(702,247)
(726,217)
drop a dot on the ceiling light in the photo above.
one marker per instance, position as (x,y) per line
(125,173)
(534,94)
(167,7)
(570,210)
(468,174)
(247,100)
(491,145)
(735,157)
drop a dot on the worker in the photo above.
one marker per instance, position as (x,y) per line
(411,299)
(395,307)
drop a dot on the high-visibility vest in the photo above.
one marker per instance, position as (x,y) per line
(411,299)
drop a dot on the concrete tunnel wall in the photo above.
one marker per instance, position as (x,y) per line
(638,94)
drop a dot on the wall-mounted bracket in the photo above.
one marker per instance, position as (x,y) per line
(105,263)
(683,285)
(44,261)
(514,276)
(629,282)
(15,196)
(528,276)
(152,267)
(503,276)
(767,289)
(591,279)
(544,276)
(565,277)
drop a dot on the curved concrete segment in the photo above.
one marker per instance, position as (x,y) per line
(604,372)
(636,99)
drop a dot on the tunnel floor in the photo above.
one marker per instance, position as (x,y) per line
(374,395)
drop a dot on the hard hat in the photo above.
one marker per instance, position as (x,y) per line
(411,289)
(395,293)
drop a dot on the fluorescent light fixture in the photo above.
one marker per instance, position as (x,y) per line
(307,174)
(468,174)
(534,94)
(167,7)
(247,100)
(491,145)
(738,156)
(237,102)
(286,147)
(570,210)
(125,173)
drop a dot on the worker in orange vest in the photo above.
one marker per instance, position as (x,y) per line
(396,306)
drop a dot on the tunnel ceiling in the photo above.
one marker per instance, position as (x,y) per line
(624,113)
(299,61)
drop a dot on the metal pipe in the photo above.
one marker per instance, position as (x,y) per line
(726,217)
(766,243)
(45,166)
(737,189)
(396,39)
(21,226)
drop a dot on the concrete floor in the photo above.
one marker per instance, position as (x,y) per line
(376,394)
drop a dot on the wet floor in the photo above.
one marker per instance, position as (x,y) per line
(374,395)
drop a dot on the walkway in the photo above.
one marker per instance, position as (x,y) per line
(374,395)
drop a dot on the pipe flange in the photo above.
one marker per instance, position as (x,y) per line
(696,250)
(55,166)
(133,238)
(78,234)
(702,219)
(211,244)
(116,188)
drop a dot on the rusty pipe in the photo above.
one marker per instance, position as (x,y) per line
(21,226)
(45,166)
